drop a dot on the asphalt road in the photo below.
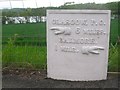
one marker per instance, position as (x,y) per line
(39,81)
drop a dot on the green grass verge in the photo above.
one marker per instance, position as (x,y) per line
(29,57)
(24,29)
(27,33)
(114,61)
(114,31)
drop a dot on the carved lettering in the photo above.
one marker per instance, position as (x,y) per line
(93,32)
(67,39)
(69,49)
(101,22)
(83,22)
(77,41)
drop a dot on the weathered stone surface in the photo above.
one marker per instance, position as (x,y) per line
(77,44)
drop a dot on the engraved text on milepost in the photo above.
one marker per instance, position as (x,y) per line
(82,32)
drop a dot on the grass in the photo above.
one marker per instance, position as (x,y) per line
(114,61)
(30,52)
(24,57)
(24,29)
(16,56)
(114,31)
(28,33)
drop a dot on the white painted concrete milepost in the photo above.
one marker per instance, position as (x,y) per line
(77,44)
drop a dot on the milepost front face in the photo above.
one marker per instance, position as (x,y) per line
(77,44)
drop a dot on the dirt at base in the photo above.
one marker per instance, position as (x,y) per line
(22,78)
(26,73)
